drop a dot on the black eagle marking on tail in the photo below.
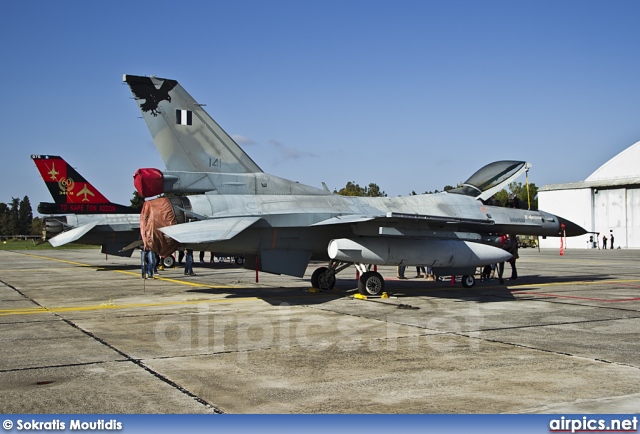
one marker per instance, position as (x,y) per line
(143,88)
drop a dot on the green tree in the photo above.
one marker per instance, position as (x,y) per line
(14,217)
(25,216)
(36,226)
(501,197)
(353,189)
(520,190)
(374,191)
(4,218)
(137,201)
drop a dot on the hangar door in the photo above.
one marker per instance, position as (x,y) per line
(633,218)
(610,214)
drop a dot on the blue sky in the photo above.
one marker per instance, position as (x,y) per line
(410,95)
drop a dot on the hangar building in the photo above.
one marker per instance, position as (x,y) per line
(607,202)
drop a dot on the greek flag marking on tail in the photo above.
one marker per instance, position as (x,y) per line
(183,117)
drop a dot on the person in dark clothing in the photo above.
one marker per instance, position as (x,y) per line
(143,262)
(188,267)
(513,249)
(156,262)
(510,244)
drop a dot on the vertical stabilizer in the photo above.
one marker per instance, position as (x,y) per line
(188,139)
(71,192)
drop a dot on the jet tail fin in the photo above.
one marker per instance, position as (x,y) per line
(71,192)
(188,139)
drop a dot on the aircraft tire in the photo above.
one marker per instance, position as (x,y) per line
(371,283)
(468,281)
(239,260)
(168,261)
(320,279)
(315,276)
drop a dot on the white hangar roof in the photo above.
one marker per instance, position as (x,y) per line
(621,170)
(623,165)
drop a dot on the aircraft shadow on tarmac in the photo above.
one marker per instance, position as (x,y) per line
(484,291)
(205,266)
(490,291)
(117,267)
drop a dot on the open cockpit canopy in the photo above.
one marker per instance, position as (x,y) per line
(491,179)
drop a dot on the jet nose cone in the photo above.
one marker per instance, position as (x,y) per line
(570,228)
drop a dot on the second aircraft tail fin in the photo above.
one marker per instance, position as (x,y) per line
(71,192)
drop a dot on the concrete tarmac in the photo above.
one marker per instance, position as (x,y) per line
(81,333)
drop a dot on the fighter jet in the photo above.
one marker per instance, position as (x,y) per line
(280,225)
(80,213)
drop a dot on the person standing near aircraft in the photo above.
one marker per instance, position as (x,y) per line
(513,249)
(157,263)
(604,242)
(400,271)
(509,243)
(188,267)
(430,276)
(143,262)
(150,262)
(611,238)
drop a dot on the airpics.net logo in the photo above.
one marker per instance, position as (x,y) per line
(586,424)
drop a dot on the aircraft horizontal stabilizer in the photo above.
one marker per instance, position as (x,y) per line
(131,246)
(72,235)
(207,231)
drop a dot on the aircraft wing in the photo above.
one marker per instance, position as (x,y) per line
(211,230)
(73,235)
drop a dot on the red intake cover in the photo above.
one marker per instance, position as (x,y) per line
(148,182)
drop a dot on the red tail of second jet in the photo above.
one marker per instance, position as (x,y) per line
(72,193)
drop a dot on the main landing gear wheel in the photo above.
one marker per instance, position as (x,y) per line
(323,278)
(371,283)
(468,281)
(168,261)
(239,260)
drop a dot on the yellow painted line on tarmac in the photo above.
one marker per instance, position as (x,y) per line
(181,282)
(57,259)
(103,306)
(110,305)
(14,270)
(576,282)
